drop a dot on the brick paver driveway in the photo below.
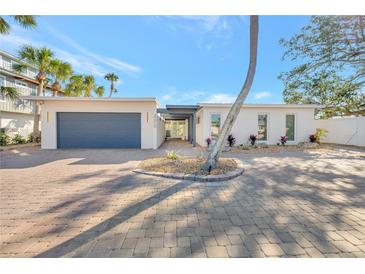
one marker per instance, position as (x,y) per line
(88,203)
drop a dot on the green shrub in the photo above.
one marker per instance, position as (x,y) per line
(18,139)
(320,132)
(245,147)
(172,155)
(4,139)
(30,138)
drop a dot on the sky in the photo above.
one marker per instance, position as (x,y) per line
(177,59)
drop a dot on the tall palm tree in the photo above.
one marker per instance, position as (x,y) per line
(80,85)
(26,21)
(112,77)
(75,86)
(41,59)
(236,107)
(61,71)
(89,82)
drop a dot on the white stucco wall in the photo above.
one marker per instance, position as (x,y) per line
(160,130)
(147,110)
(16,123)
(345,130)
(247,123)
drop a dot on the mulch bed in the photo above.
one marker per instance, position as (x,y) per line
(186,165)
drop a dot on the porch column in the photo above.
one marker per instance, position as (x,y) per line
(190,133)
(194,129)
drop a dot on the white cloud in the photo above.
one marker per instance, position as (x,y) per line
(221,98)
(174,96)
(261,95)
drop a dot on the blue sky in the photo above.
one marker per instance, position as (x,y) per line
(178,59)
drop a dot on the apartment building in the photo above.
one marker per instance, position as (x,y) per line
(16,116)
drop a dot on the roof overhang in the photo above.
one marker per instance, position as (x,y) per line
(218,105)
(178,112)
(89,99)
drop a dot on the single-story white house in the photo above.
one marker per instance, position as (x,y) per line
(78,122)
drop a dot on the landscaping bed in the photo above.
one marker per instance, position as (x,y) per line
(273,148)
(186,165)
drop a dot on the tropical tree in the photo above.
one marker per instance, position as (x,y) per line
(81,85)
(9,92)
(329,53)
(112,77)
(61,71)
(236,107)
(41,59)
(26,21)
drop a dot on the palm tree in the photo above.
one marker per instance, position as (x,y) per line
(26,21)
(99,91)
(236,107)
(75,86)
(9,92)
(80,85)
(112,77)
(61,71)
(89,82)
(41,59)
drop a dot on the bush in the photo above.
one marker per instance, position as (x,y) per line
(253,139)
(18,139)
(320,132)
(283,140)
(208,141)
(172,155)
(30,138)
(245,147)
(231,140)
(4,139)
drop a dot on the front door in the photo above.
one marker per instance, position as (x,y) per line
(175,129)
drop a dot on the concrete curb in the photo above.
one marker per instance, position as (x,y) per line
(199,178)
(10,147)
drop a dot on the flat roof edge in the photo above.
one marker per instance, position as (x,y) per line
(222,105)
(90,99)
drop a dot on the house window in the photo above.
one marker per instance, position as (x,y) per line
(262,127)
(2,84)
(290,127)
(215,125)
(20,84)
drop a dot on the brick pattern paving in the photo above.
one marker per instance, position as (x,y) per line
(87,203)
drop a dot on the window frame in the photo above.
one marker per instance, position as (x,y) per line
(295,126)
(210,123)
(20,85)
(267,126)
(2,99)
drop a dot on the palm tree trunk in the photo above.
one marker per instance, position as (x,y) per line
(236,107)
(111,89)
(37,110)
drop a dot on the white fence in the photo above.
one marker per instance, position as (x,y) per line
(345,130)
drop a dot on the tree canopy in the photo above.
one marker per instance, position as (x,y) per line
(329,54)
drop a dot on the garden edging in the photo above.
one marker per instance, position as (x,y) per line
(200,178)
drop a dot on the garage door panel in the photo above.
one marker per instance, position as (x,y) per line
(98,130)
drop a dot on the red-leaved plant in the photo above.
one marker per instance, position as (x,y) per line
(312,138)
(253,139)
(209,141)
(283,140)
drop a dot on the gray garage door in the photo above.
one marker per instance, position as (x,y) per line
(98,130)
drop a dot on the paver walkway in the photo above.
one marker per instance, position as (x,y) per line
(88,203)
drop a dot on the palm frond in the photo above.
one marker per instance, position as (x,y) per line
(26,21)
(99,91)
(19,67)
(28,54)
(9,92)
(4,26)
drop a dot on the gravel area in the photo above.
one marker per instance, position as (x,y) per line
(186,165)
